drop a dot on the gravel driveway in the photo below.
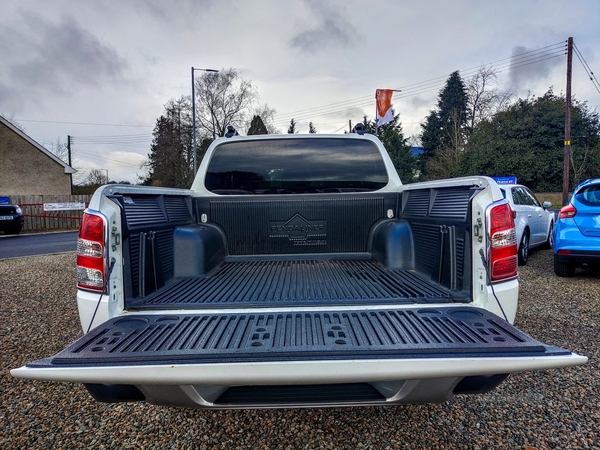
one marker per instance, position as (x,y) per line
(554,409)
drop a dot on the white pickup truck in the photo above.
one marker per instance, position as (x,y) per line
(297,271)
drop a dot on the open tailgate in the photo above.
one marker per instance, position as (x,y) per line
(298,348)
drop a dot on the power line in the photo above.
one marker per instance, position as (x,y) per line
(118,136)
(432,85)
(124,138)
(112,161)
(80,144)
(141,141)
(120,145)
(435,84)
(587,68)
(85,123)
(510,63)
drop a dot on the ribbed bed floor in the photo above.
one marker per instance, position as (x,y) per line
(299,282)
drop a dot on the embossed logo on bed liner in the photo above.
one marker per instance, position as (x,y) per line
(300,231)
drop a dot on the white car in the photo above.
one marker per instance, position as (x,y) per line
(534,222)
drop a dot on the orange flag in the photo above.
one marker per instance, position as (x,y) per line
(384,112)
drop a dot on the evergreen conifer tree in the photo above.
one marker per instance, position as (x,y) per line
(257,126)
(439,130)
(292,128)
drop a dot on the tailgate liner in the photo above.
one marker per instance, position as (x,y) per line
(299,282)
(291,336)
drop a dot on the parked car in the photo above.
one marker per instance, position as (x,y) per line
(577,233)
(11,219)
(534,222)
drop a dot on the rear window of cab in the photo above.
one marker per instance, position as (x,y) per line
(295,166)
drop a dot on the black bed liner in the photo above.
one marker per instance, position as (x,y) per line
(298,282)
(447,332)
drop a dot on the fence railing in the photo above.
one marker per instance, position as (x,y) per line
(37,218)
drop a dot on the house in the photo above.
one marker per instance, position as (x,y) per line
(27,168)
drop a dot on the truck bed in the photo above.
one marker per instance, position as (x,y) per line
(313,282)
(318,250)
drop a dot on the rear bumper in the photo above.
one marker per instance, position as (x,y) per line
(405,381)
(432,390)
(568,236)
(578,257)
(297,372)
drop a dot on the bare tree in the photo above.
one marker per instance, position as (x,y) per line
(60,150)
(484,98)
(581,162)
(11,119)
(92,181)
(97,177)
(223,99)
(414,140)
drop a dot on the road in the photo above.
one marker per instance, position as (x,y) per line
(37,244)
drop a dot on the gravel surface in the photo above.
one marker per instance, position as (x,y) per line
(553,409)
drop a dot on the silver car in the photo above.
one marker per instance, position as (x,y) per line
(534,222)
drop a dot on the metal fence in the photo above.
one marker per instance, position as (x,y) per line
(38,218)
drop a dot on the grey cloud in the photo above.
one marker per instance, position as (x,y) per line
(47,57)
(184,12)
(356,114)
(420,102)
(332,29)
(7,96)
(526,69)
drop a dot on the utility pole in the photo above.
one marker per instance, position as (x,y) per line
(567,151)
(69,152)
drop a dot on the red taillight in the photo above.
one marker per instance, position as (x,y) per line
(503,245)
(91,265)
(567,212)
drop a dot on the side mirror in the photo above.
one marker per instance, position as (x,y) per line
(547,205)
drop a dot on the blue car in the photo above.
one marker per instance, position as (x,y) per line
(577,230)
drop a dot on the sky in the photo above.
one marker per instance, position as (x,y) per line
(102,71)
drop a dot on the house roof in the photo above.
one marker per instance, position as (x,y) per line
(416,151)
(41,148)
